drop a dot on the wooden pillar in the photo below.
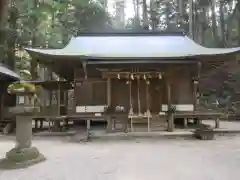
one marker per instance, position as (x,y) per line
(185,123)
(217,122)
(109,92)
(170,114)
(88,126)
(148,105)
(84,64)
(58,100)
(138,96)
(196,91)
(74,94)
(109,119)
(131,105)
(196,86)
(57,123)
(66,107)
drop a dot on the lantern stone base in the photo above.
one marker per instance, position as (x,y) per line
(204,133)
(23,155)
(21,158)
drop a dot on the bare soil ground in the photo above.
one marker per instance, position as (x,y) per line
(140,159)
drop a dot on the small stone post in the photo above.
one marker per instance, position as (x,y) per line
(23,155)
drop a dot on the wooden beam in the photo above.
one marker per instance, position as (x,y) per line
(90,80)
(127,74)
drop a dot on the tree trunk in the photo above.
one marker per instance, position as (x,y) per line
(3,8)
(238,17)
(195,22)
(202,23)
(34,42)
(222,24)
(12,35)
(137,18)
(167,15)
(201,34)
(181,13)
(214,23)
(145,15)
(153,10)
(181,7)
(3,19)
(191,18)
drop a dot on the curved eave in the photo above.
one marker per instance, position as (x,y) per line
(52,53)
(8,75)
(61,53)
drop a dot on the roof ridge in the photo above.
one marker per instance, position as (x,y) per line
(134,33)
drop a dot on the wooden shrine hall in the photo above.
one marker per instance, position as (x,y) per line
(135,79)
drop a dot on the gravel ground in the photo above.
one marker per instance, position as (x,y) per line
(174,159)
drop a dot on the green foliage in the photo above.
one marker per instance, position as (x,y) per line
(18,88)
(46,23)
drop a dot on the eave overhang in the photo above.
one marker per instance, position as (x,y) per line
(110,49)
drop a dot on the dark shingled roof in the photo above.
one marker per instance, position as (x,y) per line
(8,75)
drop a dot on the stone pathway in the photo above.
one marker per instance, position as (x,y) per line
(132,160)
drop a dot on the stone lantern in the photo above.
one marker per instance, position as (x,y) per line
(24,154)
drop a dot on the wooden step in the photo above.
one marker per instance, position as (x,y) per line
(5,120)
